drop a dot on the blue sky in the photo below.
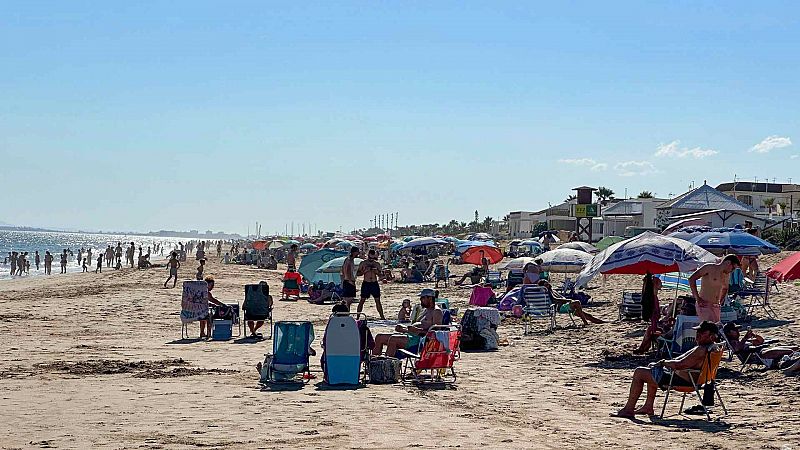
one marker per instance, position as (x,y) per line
(179,115)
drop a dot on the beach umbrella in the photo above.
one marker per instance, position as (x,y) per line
(582,246)
(480,237)
(335,265)
(422,242)
(564,260)
(675,226)
(260,245)
(409,238)
(275,245)
(474,255)
(291,242)
(462,246)
(734,241)
(310,263)
(608,241)
(344,244)
(647,252)
(516,264)
(450,239)
(308,246)
(786,270)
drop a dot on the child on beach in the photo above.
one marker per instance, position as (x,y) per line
(99,264)
(85,269)
(404,316)
(173,264)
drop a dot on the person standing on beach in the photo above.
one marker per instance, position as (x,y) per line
(85,269)
(200,269)
(80,256)
(36,260)
(89,255)
(99,264)
(48,263)
(370,287)
(173,264)
(291,258)
(64,261)
(118,255)
(13,263)
(348,274)
(714,287)
(21,264)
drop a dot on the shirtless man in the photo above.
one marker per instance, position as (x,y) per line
(64,261)
(408,336)
(48,263)
(714,278)
(173,264)
(348,273)
(291,258)
(371,270)
(109,255)
(37,259)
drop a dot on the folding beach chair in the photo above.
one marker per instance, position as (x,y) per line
(514,278)
(537,306)
(291,286)
(631,306)
(194,305)
(494,278)
(257,303)
(290,356)
(441,273)
(758,291)
(750,357)
(438,351)
(706,374)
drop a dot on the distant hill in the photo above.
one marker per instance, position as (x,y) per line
(5,224)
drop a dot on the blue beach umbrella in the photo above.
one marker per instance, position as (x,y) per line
(310,263)
(734,241)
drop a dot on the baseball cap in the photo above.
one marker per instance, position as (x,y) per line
(427,292)
(730,326)
(707,325)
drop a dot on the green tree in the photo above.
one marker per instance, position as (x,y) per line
(570,197)
(604,194)
(768,202)
(782,205)
(645,194)
(487,223)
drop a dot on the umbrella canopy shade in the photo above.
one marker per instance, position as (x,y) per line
(409,238)
(462,246)
(260,245)
(422,242)
(608,241)
(450,239)
(582,246)
(291,242)
(474,255)
(516,264)
(335,265)
(480,237)
(308,246)
(564,260)
(647,252)
(675,226)
(786,270)
(310,263)
(275,244)
(344,244)
(738,242)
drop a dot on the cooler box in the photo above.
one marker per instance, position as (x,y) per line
(221,330)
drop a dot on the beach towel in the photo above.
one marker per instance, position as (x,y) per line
(481,295)
(194,302)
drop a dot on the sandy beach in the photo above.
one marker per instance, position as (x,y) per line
(96,361)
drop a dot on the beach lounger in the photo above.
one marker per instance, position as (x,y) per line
(631,306)
(434,362)
(537,306)
(750,357)
(194,305)
(494,278)
(290,355)
(706,374)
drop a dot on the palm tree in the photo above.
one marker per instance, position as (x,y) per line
(782,205)
(768,202)
(645,194)
(604,194)
(487,224)
(570,198)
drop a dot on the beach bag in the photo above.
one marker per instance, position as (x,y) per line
(264,379)
(384,370)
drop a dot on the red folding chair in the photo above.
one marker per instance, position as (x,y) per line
(433,363)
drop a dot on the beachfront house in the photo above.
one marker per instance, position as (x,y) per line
(630,213)
(522,223)
(711,206)
(754,194)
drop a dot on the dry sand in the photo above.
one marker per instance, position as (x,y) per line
(96,361)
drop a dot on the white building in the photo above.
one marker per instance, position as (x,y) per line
(635,212)
(754,194)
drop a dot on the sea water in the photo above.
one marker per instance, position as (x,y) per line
(56,242)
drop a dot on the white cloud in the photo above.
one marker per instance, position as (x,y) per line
(771,143)
(631,168)
(586,162)
(673,150)
(794,157)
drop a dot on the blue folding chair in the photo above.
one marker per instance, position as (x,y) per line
(290,352)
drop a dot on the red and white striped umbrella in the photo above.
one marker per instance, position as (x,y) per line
(646,253)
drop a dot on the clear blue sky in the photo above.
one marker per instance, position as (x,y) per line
(178,115)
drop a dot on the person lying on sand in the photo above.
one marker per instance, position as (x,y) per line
(658,374)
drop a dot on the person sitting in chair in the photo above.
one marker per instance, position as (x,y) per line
(205,323)
(743,346)
(659,374)
(256,311)
(565,305)
(408,336)
(475,276)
